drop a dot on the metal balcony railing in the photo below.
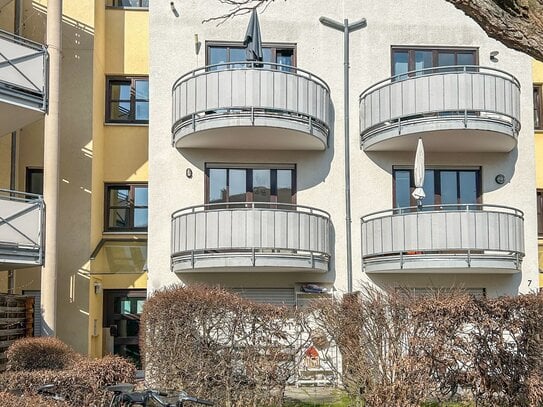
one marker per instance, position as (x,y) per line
(23,71)
(251,94)
(463,96)
(21,229)
(477,235)
(251,234)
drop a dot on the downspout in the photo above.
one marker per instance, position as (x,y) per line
(17,25)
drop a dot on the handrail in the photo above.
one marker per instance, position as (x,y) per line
(8,194)
(440,70)
(443,208)
(23,41)
(250,65)
(251,205)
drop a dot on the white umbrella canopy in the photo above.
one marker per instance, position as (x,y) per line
(418,173)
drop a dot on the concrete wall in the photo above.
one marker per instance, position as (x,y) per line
(320,174)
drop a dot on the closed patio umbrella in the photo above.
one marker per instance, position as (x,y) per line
(418,174)
(253,40)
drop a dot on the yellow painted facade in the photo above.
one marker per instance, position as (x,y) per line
(97,42)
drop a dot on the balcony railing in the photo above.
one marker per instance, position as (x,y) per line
(474,237)
(247,236)
(257,96)
(23,81)
(21,230)
(442,99)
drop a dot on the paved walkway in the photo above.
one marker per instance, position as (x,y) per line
(314,394)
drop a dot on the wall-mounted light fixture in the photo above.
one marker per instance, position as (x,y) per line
(500,179)
(493,56)
(197,44)
(188,172)
(97,288)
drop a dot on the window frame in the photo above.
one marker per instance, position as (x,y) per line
(114,4)
(28,178)
(239,44)
(249,192)
(538,105)
(437,184)
(539,212)
(131,207)
(133,101)
(435,51)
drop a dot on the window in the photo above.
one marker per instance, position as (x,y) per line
(258,184)
(442,187)
(128,3)
(34,180)
(416,59)
(126,207)
(127,100)
(538,108)
(219,53)
(540,212)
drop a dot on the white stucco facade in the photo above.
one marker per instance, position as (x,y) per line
(320,174)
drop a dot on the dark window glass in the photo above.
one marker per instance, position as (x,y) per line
(128,3)
(250,184)
(34,180)
(540,212)
(128,100)
(416,59)
(237,191)
(284,186)
(217,185)
(126,207)
(442,187)
(400,63)
(538,108)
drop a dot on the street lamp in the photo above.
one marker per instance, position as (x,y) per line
(347,29)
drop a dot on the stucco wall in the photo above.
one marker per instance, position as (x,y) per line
(320,174)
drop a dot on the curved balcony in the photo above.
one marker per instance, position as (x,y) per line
(248,236)
(460,109)
(443,239)
(21,230)
(251,106)
(23,82)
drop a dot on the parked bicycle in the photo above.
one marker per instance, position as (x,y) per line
(125,396)
(47,391)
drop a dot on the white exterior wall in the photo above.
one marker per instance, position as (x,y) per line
(320,175)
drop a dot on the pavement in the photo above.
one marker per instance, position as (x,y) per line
(312,394)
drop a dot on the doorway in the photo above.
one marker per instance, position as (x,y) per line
(122,311)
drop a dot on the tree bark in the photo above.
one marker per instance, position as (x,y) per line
(517,24)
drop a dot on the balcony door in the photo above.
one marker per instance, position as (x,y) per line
(442,187)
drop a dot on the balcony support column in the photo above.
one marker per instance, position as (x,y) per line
(51,170)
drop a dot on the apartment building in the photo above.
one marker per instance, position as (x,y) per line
(102,206)
(247,161)
(538,137)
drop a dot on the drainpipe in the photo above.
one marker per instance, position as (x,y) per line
(51,170)
(346,28)
(17,24)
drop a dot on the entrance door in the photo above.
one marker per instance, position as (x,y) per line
(122,310)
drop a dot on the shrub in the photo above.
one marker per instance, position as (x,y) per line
(82,384)
(217,346)
(26,400)
(40,353)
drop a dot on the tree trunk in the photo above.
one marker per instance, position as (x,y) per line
(516,23)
